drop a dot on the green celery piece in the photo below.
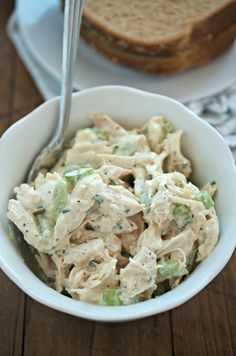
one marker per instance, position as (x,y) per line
(101,133)
(72,177)
(182,215)
(125,149)
(167,128)
(135,299)
(59,196)
(46,225)
(171,268)
(205,198)
(111,297)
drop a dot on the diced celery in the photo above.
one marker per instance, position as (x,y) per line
(59,196)
(46,225)
(125,149)
(72,177)
(182,215)
(111,297)
(171,268)
(167,128)
(101,133)
(205,198)
(135,299)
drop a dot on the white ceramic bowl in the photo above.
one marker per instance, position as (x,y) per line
(211,159)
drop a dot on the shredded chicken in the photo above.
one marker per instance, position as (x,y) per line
(116,221)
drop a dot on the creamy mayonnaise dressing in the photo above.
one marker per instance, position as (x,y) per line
(117,221)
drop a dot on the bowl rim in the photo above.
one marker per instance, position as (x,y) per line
(130,312)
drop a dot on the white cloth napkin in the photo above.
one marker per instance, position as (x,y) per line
(218,110)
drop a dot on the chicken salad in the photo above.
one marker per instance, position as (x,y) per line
(117,220)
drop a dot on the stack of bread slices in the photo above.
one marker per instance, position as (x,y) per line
(160,36)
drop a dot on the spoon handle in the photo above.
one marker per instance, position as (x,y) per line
(72,21)
(51,153)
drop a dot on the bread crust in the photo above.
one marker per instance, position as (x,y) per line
(194,55)
(220,19)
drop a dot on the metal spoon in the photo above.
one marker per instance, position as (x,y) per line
(51,153)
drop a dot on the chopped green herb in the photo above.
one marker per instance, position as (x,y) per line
(59,196)
(119,226)
(213,182)
(182,215)
(125,149)
(205,198)
(39,210)
(92,264)
(98,199)
(64,211)
(185,165)
(39,207)
(167,128)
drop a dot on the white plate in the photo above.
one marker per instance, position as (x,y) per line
(41,24)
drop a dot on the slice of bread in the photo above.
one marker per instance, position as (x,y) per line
(160,36)
(159,26)
(192,56)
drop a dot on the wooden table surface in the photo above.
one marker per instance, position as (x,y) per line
(205,325)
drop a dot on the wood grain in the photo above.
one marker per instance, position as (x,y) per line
(11,317)
(200,326)
(48,332)
(25,93)
(205,325)
(150,336)
(6,83)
